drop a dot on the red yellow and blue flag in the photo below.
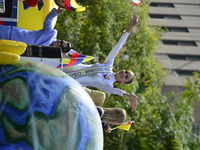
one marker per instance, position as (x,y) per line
(74,60)
(71,5)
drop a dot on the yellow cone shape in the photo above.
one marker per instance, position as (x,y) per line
(7,58)
(15,47)
(10,51)
(76,6)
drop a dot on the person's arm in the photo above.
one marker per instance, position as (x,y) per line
(106,127)
(132,98)
(134,21)
(111,56)
(111,90)
(49,18)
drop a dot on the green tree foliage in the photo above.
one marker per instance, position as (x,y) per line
(162,122)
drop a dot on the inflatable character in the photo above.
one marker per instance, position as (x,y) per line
(69,5)
(33,3)
(43,108)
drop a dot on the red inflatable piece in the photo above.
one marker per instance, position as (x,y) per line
(31,3)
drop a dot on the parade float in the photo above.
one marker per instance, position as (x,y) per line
(41,107)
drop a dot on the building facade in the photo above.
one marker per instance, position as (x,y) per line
(180,51)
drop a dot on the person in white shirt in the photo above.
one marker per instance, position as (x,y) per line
(104,80)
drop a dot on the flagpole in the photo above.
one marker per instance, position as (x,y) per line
(82,57)
(132,122)
(113,128)
(61,58)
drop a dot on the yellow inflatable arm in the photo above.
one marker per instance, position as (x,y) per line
(10,51)
(8,58)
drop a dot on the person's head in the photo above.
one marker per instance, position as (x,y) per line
(113,115)
(124,76)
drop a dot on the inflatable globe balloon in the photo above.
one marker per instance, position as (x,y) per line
(42,108)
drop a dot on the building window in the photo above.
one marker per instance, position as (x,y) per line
(196,128)
(193,58)
(166,42)
(161,4)
(177,57)
(164,16)
(174,29)
(184,72)
(184,57)
(181,43)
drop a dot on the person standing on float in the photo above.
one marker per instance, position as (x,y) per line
(104,81)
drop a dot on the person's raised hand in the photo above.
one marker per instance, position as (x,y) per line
(133,22)
(108,130)
(59,10)
(132,100)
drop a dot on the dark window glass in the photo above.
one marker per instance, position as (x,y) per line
(177,57)
(154,4)
(161,4)
(196,128)
(185,72)
(187,43)
(178,29)
(184,57)
(182,43)
(171,17)
(165,5)
(193,58)
(156,16)
(166,42)
(174,29)
(164,16)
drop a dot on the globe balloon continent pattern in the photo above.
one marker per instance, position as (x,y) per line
(43,108)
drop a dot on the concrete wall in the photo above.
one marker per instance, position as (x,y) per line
(182,50)
(171,11)
(177,1)
(178,90)
(197,112)
(189,12)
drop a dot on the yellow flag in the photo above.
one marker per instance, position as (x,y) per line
(125,126)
